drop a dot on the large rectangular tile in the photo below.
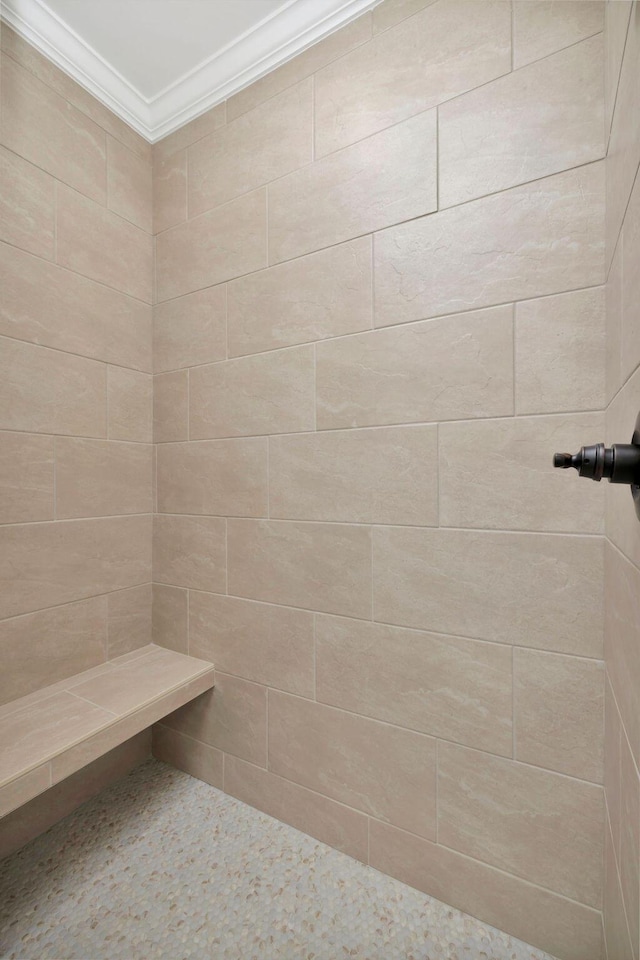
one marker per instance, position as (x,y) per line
(543,827)
(171,406)
(563,927)
(195,758)
(128,620)
(257,641)
(527,589)
(540,28)
(456,689)
(130,405)
(26,478)
(559,713)
(129,184)
(357,476)
(48,305)
(621,520)
(169,189)
(390,12)
(324,294)
(216,477)
(315,565)
(269,393)
(616,23)
(541,238)
(45,391)
(508,465)
(219,245)
(383,180)
(47,130)
(170,618)
(190,552)
(97,478)
(330,822)
(195,130)
(536,121)
(41,648)
(232,717)
(630,340)
(622,651)
(43,564)
(629,858)
(612,760)
(616,930)
(190,330)
(448,369)
(17,793)
(560,352)
(437,54)
(262,145)
(27,205)
(382,770)
(100,245)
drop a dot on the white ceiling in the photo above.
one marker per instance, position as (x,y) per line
(160,63)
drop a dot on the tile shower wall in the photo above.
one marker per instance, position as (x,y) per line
(381,297)
(622,560)
(76,457)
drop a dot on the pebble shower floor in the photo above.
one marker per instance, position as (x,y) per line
(163,867)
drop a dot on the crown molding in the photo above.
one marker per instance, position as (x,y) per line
(285,33)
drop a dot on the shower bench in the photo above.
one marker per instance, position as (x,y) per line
(49,734)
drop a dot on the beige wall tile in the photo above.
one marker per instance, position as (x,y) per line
(559,713)
(545,237)
(616,930)
(129,185)
(169,189)
(629,858)
(612,730)
(14,796)
(98,478)
(613,300)
(330,822)
(99,244)
(382,770)
(51,306)
(171,406)
(46,129)
(170,617)
(456,689)
(42,648)
(357,476)
(129,620)
(43,564)
(537,916)
(195,758)
(301,66)
(622,652)
(190,552)
(202,126)
(45,391)
(390,12)
(319,566)
(262,145)
(219,477)
(26,478)
(540,28)
(130,403)
(616,23)
(418,64)
(270,393)
(224,243)
(325,294)
(630,344)
(451,368)
(257,641)
(523,820)
(537,121)
(27,206)
(508,465)
(231,717)
(383,180)
(559,352)
(532,590)
(190,330)
(621,520)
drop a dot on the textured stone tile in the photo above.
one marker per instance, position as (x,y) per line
(26,478)
(195,758)
(27,206)
(355,476)
(171,406)
(530,241)
(129,185)
(369,185)
(190,330)
(325,294)
(256,641)
(443,686)
(522,820)
(540,29)
(130,405)
(481,584)
(128,620)
(630,343)
(453,368)
(437,54)
(340,755)
(170,618)
(169,188)
(190,552)
(98,478)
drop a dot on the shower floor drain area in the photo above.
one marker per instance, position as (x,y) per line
(163,867)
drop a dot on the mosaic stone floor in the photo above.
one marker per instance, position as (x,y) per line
(163,867)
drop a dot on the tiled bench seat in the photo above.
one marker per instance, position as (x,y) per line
(48,735)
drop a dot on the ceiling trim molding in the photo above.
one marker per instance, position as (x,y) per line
(285,33)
